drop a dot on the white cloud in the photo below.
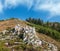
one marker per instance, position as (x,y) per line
(14,3)
(52,6)
(1,7)
(10,3)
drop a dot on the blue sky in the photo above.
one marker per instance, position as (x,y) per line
(47,10)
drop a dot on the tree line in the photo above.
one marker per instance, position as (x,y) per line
(52,25)
(48,28)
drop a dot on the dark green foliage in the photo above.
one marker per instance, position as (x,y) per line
(53,33)
(52,25)
(48,31)
(35,21)
(51,29)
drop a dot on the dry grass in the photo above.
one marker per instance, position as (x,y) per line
(48,39)
(12,23)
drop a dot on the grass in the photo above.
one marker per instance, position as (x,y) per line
(44,36)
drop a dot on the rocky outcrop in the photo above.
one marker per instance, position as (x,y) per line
(30,37)
(28,34)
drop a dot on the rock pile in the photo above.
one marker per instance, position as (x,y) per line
(28,34)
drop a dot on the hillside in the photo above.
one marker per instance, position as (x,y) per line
(12,22)
(45,36)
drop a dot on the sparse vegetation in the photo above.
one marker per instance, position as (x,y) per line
(41,28)
(52,25)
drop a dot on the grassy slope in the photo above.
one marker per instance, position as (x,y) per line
(48,39)
(45,37)
(12,23)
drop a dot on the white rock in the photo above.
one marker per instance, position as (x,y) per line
(4,31)
(6,43)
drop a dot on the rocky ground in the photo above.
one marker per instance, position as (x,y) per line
(34,41)
(28,35)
